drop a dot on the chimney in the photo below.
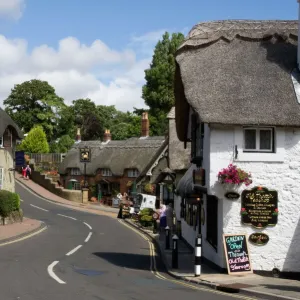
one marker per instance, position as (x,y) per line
(106,136)
(145,125)
(78,136)
(298,56)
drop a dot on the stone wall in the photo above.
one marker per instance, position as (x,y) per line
(47,183)
(6,162)
(279,171)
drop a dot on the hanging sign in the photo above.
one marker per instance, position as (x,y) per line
(259,238)
(237,254)
(259,207)
(199,177)
(85,154)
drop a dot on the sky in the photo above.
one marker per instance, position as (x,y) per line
(99,50)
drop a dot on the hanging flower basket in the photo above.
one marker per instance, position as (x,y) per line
(232,178)
(149,188)
(129,184)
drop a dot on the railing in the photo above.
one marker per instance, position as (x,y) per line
(47,157)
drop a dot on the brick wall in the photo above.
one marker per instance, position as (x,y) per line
(71,195)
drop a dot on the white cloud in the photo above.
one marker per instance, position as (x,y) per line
(12,8)
(76,70)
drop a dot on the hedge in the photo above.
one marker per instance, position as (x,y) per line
(9,202)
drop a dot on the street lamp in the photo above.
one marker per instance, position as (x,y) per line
(85,157)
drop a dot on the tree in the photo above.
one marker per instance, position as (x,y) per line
(33,103)
(65,143)
(35,141)
(92,128)
(158,92)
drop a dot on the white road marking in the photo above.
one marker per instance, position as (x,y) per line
(88,237)
(67,217)
(38,207)
(21,200)
(74,250)
(89,226)
(52,274)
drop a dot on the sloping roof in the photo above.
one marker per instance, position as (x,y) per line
(238,72)
(6,121)
(114,155)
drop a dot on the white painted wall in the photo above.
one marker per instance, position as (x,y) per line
(6,162)
(281,173)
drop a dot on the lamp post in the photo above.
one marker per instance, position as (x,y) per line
(85,157)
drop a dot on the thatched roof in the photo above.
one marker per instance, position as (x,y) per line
(238,72)
(114,155)
(6,121)
(179,158)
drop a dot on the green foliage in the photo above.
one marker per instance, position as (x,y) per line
(65,143)
(145,217)
(9,202)
(35,141)
(33,103)
(158,92)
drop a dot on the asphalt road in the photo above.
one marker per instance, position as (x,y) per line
(82,256)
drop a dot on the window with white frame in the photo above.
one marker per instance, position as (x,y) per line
(259,139)
(75,171)
(1,178)
(1,141)
(106,172)
(133,173)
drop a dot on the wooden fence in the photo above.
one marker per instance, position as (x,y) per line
(47,157)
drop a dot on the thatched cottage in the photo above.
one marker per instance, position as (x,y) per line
(9,134)
(237,100)
(114,165)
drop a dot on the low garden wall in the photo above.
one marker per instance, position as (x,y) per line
(41,179)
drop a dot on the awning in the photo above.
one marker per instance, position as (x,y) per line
(185,186)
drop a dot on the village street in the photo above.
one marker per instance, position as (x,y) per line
(84,256)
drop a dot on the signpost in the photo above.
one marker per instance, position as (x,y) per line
(237,254)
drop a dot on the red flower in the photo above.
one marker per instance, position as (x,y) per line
(243,209)
(276,209)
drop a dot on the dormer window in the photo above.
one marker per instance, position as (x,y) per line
(106,172)
(75,172)
(133,173)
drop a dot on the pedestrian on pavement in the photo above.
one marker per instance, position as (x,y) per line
(162,217)
(28,171)
(24,171)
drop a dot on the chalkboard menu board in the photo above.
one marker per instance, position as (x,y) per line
(237,254)
(259,207)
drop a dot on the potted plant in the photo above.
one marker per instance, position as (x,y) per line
(233,177)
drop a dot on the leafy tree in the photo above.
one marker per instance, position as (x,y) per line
(65,143)
(35,141)
(158,92)
(66,123)
(92,128)
(33,103)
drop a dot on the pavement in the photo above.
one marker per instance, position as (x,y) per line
(251,285)
(87,254)
(15,232)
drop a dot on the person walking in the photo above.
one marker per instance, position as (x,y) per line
(28,172)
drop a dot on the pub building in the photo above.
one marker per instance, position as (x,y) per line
(237,101)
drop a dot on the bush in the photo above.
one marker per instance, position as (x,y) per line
(9,202)
(145,217)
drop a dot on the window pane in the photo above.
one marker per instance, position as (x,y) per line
(250,139)
(265,140)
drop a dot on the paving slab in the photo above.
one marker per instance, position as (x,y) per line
(15,231)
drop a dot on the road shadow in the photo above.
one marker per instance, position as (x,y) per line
(126,260)
(291,288)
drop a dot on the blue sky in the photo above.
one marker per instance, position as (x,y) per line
(129,29)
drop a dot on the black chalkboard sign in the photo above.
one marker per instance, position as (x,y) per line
(237,254)
(259,207)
